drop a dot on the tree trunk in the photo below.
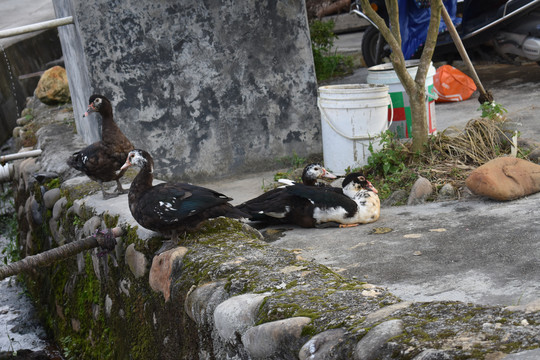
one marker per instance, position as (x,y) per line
(419,118)
(415,88)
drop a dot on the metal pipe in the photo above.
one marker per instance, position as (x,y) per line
(36,27)
(361,14)
(6,158)
(503,18)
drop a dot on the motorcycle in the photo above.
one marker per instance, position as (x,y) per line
(508,28)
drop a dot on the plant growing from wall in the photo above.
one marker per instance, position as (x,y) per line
(8,228)
(327,63)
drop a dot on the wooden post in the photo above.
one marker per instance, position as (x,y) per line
(485,96)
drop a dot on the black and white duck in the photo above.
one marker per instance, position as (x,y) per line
(172,208)
(311,173)
(101,160)
(355,203)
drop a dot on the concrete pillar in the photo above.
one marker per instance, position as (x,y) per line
(209,88)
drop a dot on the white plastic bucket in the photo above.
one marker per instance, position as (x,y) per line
(402,120)
(352,116)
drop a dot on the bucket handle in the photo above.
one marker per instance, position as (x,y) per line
(329,122)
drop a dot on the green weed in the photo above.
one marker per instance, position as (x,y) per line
(294,161)
(327,64)
(492,110)
(8,228)
(390,159)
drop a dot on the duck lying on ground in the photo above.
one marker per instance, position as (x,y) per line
(355,203)
(101,160)
(171,208)
(310,174)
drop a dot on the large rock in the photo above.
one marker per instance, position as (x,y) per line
(420,191)
(505,178)
(53,88)
(160,272)
(369,346)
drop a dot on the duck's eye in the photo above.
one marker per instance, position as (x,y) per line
(316,168)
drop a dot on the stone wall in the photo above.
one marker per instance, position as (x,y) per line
(223,292)
(209,88)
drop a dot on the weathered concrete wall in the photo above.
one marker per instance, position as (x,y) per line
(222,293)
(207,87)
(78,77)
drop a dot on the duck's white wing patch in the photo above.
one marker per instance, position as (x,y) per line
(165,211)
(337,214)
(278,215)
(286,182)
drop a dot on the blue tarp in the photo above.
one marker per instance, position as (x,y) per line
(414,21)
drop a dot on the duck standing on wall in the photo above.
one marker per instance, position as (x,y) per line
(101,160)
(172,207)
(307,206)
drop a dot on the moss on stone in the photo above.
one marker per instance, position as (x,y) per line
(117,315)
(110,220)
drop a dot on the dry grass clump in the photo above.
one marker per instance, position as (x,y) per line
(481,140)
(451,158)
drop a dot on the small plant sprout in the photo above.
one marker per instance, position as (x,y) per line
(492,110)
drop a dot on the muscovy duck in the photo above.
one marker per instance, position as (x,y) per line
(310,174)
(308,206)
(101,160)
(171,208)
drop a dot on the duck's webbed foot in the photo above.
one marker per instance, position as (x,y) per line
(333,224)
(119,189)
(107,195)
(169,244)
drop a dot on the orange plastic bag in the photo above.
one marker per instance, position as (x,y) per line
(452,85)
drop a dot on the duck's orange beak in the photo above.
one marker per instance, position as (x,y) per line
(126,164)
(327,174)
(371,187)
(91,109)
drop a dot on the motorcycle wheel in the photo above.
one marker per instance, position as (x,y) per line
(375,50)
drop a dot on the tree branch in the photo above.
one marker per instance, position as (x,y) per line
(430,43)
(393,14)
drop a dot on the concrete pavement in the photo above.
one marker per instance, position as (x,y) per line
(477,250)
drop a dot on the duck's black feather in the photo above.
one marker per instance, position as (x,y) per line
(324,197)
(172,207)
(101,160)
(309,206)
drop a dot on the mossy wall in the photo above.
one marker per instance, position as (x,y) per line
(97,305)
(222,293)
(92,304)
